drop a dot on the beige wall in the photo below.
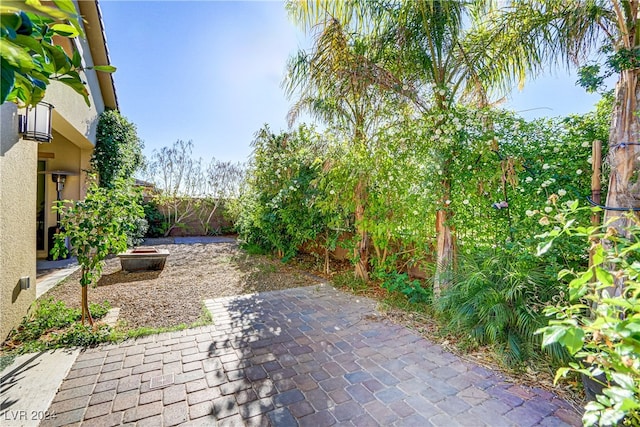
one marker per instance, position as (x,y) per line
(62,154)
(18,165)
(71,105)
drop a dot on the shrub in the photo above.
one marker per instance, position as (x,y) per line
(118,151)
(280,205)
(600,324)
(497,298)
(412,289)
(157,224)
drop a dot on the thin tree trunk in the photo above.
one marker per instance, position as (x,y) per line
(445,249)
(596,186)
(596,178)
(327,269)
(84,303)
(361,251)
(623,158)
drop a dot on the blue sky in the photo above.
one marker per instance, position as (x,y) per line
(210,71)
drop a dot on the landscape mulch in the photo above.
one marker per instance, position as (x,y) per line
(174,296)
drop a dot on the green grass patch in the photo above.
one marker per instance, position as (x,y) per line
(120,334)
(51,324)
(348,281)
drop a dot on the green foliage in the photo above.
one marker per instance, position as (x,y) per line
(280,206)
(412,289)
(6,360)
(51,324)
(497,298)
(155,220)
(118,151)
(600,323)
(83,335)
(136,231)
(592,76)
(98,226)
(28,56)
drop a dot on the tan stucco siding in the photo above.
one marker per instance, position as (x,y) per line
(70,105)
(67,157)
(18,166)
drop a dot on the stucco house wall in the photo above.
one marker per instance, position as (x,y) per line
(17,215)
(74,130)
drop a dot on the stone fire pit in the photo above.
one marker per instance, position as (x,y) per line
(143,259)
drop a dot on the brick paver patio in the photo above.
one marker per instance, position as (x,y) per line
(310,356)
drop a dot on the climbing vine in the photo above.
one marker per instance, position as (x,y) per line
(118,151)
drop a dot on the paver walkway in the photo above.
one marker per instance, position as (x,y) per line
(308,356)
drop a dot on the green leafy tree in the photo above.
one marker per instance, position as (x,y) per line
(29,58)
(339,82)
(569,32)
(425,55)
(118,151)
(280,207)
(96,227)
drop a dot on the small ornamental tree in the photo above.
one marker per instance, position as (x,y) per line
(178,177)
(221,182)
(96,227)
(118,152)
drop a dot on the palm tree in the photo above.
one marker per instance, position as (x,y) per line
(570,32)
(338,82)
(429,60)
(433,62)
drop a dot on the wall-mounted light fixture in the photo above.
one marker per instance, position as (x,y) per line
(35,125)
(59,177)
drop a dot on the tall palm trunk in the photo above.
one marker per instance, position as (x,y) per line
(445,248)
(361,251)
(624,157)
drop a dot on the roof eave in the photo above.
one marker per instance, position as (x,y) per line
(97,39)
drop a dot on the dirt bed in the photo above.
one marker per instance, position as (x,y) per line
(193,273)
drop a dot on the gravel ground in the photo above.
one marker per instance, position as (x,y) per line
(192,273)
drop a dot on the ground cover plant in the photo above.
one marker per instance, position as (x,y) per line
(51,324)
